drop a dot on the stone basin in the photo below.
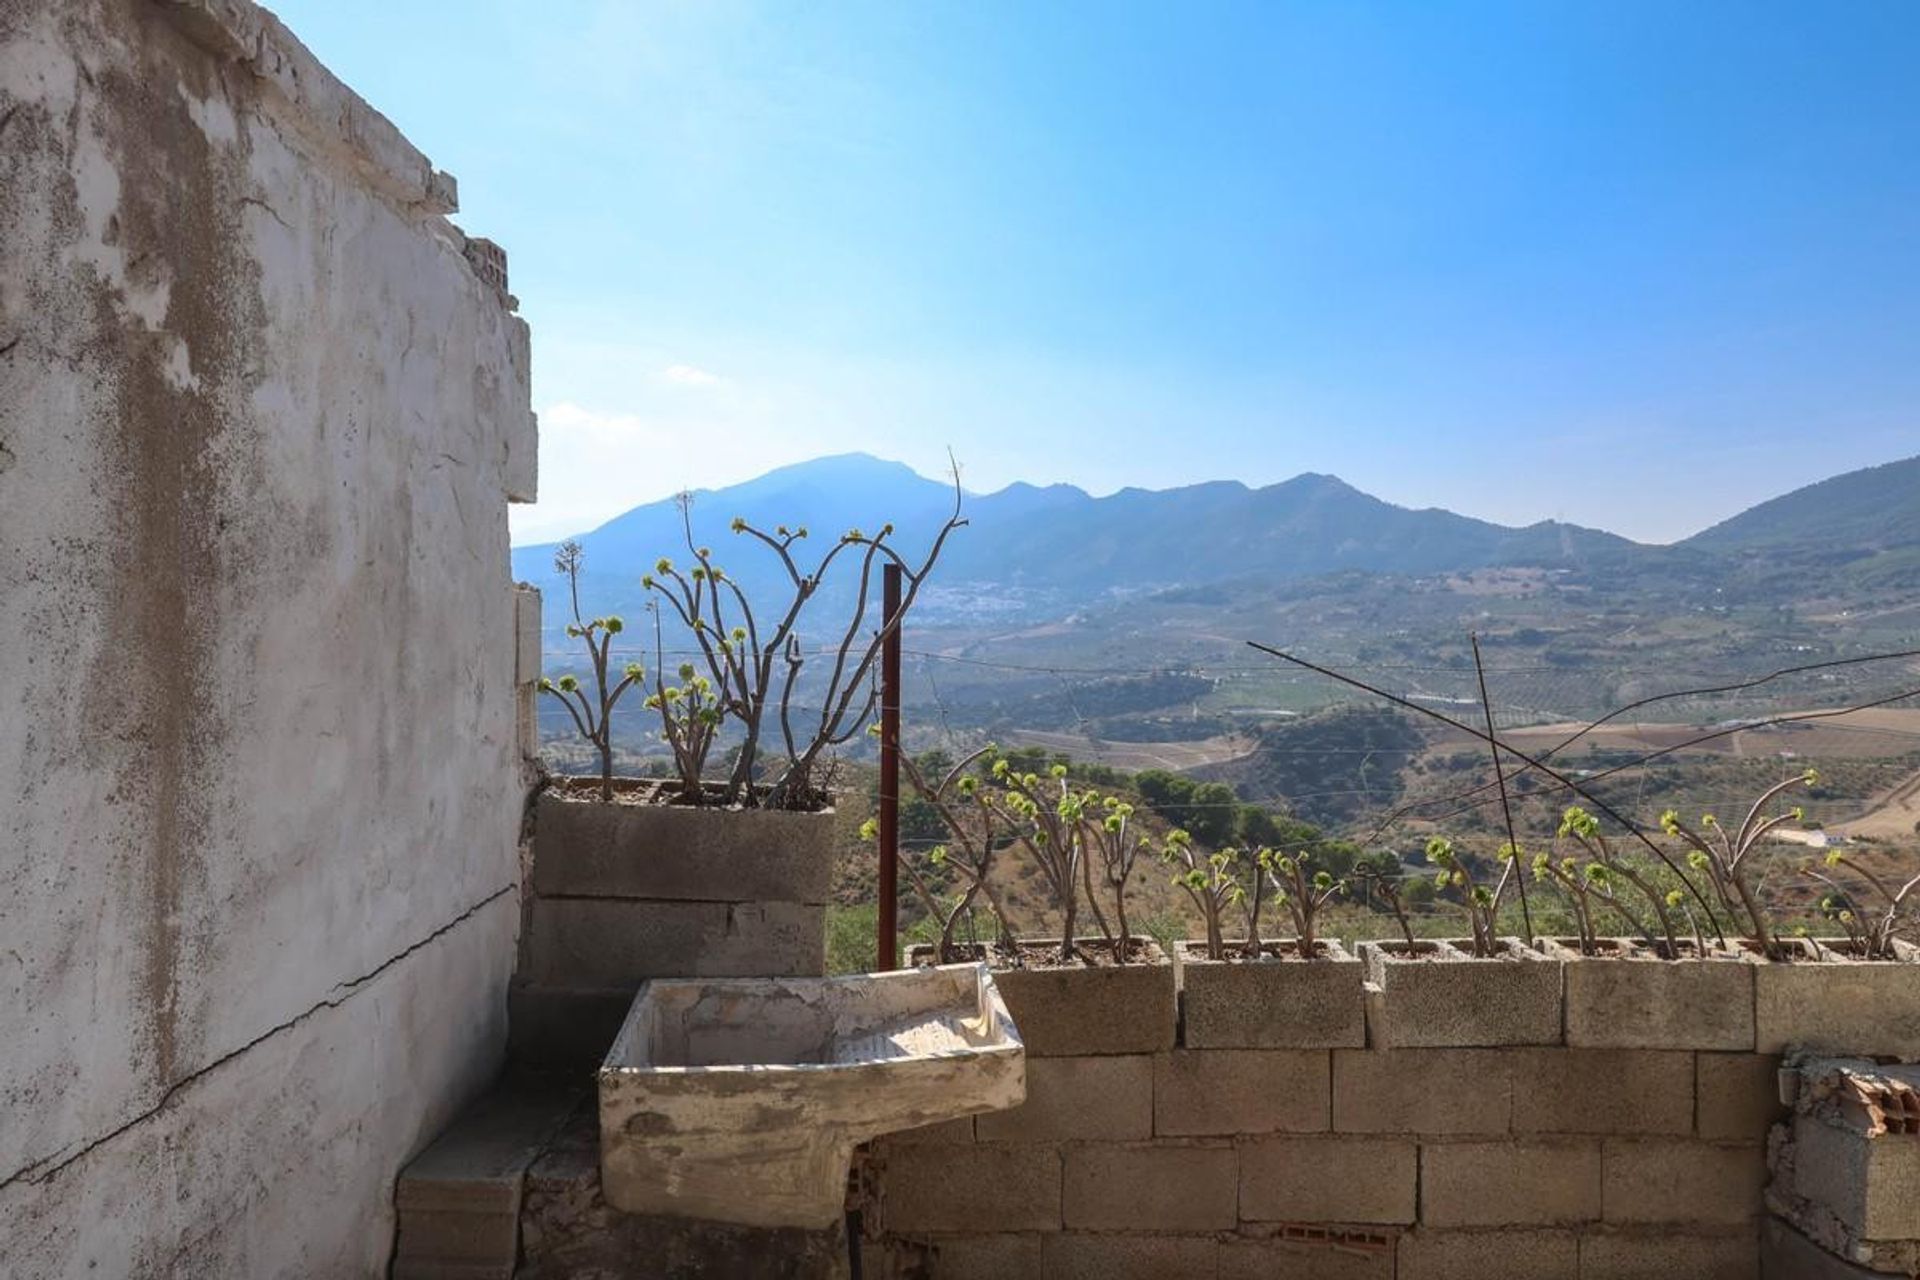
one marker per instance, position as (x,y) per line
(741,1099)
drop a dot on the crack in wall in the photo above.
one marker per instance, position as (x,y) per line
(41,1172)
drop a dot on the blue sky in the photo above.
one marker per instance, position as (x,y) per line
(1632,264)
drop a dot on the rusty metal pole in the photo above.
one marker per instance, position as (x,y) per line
(889,922)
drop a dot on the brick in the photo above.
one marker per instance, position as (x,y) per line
(1445,999)
(1648,1003)
(1623,1091)
(1328,1179)
(1272,1003)
(1422,1091)
(991,1257)
(1075,1256)
(586,849)
(1869,1185)
(1655,1255)
(944,1133)
(1335,1256)
(1524,1182)
(1737,1096)
(960,1188)
(616,942)
(1660,1180)
(1079,1098)
(1862,1008)
(1151,1187)
(1231,1091)
(1427,1253)
(1076,1012)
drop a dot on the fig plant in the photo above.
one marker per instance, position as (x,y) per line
(1726,858)
(1481,903)
(1303,891)
(592,716)
(1870,931)
(753,660)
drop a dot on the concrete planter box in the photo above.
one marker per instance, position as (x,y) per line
(1279,1001)
(1630,997)
(1089,1010)
(583,848)
(1822,999)
(1440,996)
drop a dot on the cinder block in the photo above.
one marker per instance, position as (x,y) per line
(1520,1183)
(1441,998)
(1422,1091)
(1328,1179)
(1663,1180)
(1785,1254)
(990,1257)
(583,848)
(1151,1187)
(1077,1256)
(1076,1012)
(1658,1254)
(1305,1254)
(1865,1008)
(1623,1091)
(1232,1091)
(1108,1099)
(1871,1185)
(1639,1001)
(1738,1096)
(1428,1253)
(1007,1187)
(618,943)
(945,1133)
(1273,1002)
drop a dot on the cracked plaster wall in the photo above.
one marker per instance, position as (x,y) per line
(260,784)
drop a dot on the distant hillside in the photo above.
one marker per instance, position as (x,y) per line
(1049,549)
(1872,508)
(1866,523)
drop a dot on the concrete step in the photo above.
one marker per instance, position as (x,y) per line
(458,1202)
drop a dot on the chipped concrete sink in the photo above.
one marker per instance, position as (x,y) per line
(741,1099)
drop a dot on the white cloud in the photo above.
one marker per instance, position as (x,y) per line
(686,375)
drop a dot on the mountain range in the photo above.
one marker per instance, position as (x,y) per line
(1034,550)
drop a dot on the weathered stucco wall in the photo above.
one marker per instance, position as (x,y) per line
(260,784)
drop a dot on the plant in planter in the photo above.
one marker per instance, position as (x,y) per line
(977,831)
(1302,891)
(1872,933)
(1107,831)
(1481,904)
(1727,859)
(592,716)
(753,671)
(1210,884)
(1383,882)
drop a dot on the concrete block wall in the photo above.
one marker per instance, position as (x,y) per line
(260,789)
(1460,1160)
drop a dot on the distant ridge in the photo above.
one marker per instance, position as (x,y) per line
(1062,546)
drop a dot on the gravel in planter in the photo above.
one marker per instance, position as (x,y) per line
(1279,1001)
(1631,997)
(1438,995)
(1082,1008)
